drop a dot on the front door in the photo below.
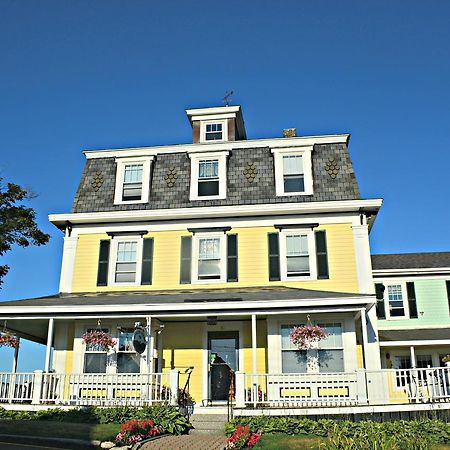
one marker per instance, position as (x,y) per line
(222,359)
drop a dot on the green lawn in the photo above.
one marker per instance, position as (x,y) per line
(44,428)
(286,442)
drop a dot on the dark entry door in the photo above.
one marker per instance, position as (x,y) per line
(223,357)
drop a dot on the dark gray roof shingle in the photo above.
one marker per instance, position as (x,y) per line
(411,261)
(239,190)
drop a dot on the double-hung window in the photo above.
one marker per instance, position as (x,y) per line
(293,176)
(132,180)
(126,262)
(395,299)
(208,175)
(331,350)
(213,132)
(95,356)
(128,361)
(293,171)
(292,359)
(297,251)
(209,263)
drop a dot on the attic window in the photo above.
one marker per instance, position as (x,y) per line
(213,132)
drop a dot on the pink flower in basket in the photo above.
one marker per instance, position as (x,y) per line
(8,340)
(98,338)
(304,336)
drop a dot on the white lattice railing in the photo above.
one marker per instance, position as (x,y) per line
(98,389)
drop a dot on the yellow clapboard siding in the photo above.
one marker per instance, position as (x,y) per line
(359,356)
(252,262)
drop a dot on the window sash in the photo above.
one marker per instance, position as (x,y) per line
(208,170)
(213,131)
(293,174)
(209,258)
(132,182)
(297,255)
(395,299)
(126,262)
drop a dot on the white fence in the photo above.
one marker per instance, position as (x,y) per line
(97,389)
(361,387)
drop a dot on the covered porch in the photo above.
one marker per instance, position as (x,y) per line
(222,346)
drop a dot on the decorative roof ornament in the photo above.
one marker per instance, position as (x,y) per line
(227,97)
(250,172)
(171,176)
(332,167)
(97,181)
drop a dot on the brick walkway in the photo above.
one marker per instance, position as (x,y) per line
(188,442)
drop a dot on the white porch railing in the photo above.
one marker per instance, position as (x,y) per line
(361,387)
(97,389)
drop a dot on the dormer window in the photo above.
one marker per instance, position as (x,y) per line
(293,171)
(213,132)
(132,180)
(208,175)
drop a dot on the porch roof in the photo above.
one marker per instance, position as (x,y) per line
(418,336)
(184,301)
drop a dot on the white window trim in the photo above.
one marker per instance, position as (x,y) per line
(306,153)
(113,260)
(311,251)
(203,124)
(223,257)
(404,297)
(222,159)
(146,172)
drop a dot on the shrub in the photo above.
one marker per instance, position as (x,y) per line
(133,431)
(433,431)
(168,418)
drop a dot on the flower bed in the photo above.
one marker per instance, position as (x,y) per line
(133,431)
(243,438)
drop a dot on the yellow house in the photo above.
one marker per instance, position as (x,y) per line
(199,260)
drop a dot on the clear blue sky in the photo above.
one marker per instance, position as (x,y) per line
(97,74)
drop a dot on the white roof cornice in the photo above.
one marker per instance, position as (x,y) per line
(151,215)
(218,146)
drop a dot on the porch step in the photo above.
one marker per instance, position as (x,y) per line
(208,423)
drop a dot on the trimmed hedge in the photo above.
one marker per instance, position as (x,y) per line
(435,431)
(167,417)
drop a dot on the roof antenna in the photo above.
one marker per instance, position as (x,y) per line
(226,97)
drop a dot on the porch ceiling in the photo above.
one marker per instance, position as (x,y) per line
(33,330)
(265,299)
(429,334)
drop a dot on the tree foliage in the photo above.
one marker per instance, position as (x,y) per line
(17,221)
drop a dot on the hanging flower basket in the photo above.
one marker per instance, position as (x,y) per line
(98,338)
(8,340)
(304,336)
(446,359)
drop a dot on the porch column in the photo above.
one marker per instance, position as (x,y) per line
(16,356)
(413,356)
(48,350)
(254,369)
(150,345)
(364,336)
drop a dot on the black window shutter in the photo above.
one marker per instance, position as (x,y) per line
(447,285)
(321,255)
(185,264)
(147,261)
(381,308)
(412,300)
(274,257)
(232,257)
(103,262)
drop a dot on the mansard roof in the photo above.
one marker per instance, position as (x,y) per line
(398,261)
(95,196)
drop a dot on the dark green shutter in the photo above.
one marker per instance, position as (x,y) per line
(103,262)
(147,261)
(321,255)
(381,309)
(185,263)
(232,257)
(274,257)
(412,301)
